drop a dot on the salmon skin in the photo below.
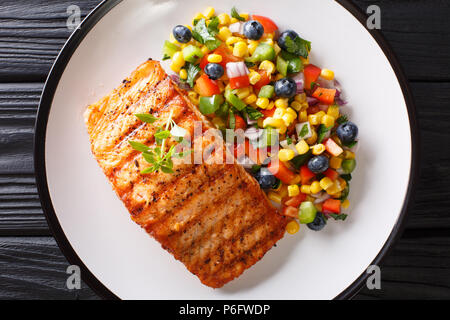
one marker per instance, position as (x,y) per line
(214,218)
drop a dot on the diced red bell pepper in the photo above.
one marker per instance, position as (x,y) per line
(204,61)
(290,212)
(325,95)
(331,206)
(239,82)
(265,80)
(281,171)
(255,155)
(239,150)
(311,73)
(239,122)
(207,87)
(268,24)
(306,174)
(227,56)
(267,113)
(333,148)
(332,174)
(295,201)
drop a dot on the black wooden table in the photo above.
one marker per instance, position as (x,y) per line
(33,31)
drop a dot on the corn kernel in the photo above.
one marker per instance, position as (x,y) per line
(292,112)
(305,189)
(313,119)
(224,19)
(275,197)
(177,62)
(271,105)
(183,74)
(233,20)
(333,111)
(283,192)
(318,149)
(232,40)
(269,42)
(215,58)
(342,183)
(333,189)
(279,113)
(240,49)
(302,147)
(268,66)
(224,33)
(310,199)
(198,16)
(209,12)
(303,116)
(286,154)
(288,119)
(193,96)
(315,187)
(348,155)
(335,162)
(320,115)
(313,138)
(327,74)
(300,97)
(251,99)
(243,93)
(254,77)
(296,105)
(281,103)
(263,103)
(205,50)
(326,183)
(305,61)
(272,122)
(345,204)
(252,45)
(328,121)
(173,40)
(244,15)
(292,227)
(277,48)
(260,122)
(293,190)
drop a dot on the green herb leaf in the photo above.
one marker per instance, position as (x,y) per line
(162,134)
(350,145)
(146,117)
(213,26)
(347,177)
(253,114)
(321,132)
(300,160)
(342,119)
(166,169)
(255,168)
(138,146)
(192,72)
(298,46)
(249,64)
(304,131)
(338,217)
(232,120)
(289,140)
(201,32)
(213,44)
(166,57)
(235,14)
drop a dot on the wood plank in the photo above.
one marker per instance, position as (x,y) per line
(31,35)
(34,268)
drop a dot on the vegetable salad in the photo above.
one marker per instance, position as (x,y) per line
(244,73)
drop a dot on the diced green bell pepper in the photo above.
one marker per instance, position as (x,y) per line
(267,91)
(192,54)
(209,105)
(262,52)
(307,212)
(169,49)
(268,138)
(234,100)
(348,165)
(282,66)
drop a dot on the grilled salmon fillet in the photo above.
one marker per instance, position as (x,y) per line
(214,218)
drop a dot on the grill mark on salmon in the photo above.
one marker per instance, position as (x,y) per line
(213,218)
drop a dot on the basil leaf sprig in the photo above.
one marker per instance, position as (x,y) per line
(157,157)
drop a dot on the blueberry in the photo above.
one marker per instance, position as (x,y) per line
(182,34)
(214,71)
(253,30)
(282,39)
(285,88)
(347,132)
(265,178)
(318,223)
(318,164)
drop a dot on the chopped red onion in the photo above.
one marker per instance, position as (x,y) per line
(328,84)
(321,197)
(323,107)
(299,79)
(182,85)
(237,27)
(312,101)
(246,162)
(253,133)
(250,121)
(236,69)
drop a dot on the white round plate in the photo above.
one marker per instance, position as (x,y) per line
(118,259)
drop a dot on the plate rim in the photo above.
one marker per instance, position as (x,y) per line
(46,101)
